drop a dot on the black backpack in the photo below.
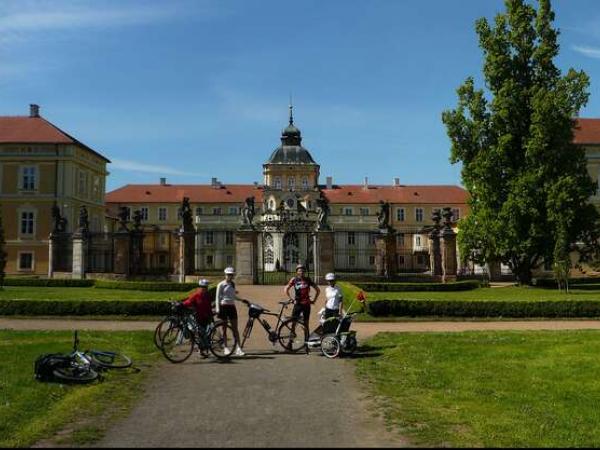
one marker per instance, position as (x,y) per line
(45,364)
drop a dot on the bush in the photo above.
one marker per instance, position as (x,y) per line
(413,287)
(83,307)
(453,308)
(146,285)
(48,282)
(573,282)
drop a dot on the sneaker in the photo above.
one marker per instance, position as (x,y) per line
(239,352)
(227,351)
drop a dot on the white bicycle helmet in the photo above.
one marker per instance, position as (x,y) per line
(203,282)
(229,270)
(330,276)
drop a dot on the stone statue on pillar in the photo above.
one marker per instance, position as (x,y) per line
(137,220)
(84,223)
(123,218)
(383,216)
(59,223)
(435,253)
(323,213)
(448,244)
(248,213)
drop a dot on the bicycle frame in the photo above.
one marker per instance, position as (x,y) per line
(271,333)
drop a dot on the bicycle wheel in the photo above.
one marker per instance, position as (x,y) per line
(162,328)
(330,346)
(177,343)
(221,340)
(75,374)
(109,360)
(292,335)
(350,345)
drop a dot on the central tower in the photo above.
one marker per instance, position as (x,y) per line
(291,174)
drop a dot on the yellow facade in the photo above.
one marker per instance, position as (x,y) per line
(32,178)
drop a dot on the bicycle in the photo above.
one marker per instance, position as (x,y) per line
(179,333)
(286,334)
(83,367)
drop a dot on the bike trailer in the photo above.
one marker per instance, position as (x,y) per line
(45,364)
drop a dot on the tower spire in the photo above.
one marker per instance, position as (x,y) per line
(291,111)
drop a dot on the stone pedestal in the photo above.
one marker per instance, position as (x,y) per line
(79,256)
(386,261)
(246,256)
(449,264)
(435,253)
(185,254)
(323,245)
(122,255)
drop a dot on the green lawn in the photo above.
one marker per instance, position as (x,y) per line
(31,410)
(89,293)
(511,293)
(488,389)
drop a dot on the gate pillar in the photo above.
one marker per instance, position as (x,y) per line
(323,253)
(246,256)
(386,262)
(79,255)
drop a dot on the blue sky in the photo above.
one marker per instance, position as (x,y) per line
(200,88)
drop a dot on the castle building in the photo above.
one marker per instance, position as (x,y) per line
(42,166)
(287,211)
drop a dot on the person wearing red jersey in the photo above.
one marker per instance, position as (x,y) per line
(200,301)
(301,299)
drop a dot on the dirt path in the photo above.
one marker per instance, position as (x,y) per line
(264,399)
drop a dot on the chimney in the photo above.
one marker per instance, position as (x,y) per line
(329,181)
(213,182)
(163,181)
(34,110)
(366,183)
(396,181)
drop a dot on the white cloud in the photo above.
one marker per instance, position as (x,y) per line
(134,166)
(590,52)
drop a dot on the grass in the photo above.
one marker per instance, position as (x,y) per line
(31,411)
(510,293)
(488,389)
(89,293)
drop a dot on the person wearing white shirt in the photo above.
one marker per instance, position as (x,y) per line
(226,297)
(334,299)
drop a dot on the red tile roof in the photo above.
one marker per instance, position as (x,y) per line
(174,193)
(397,194)
(35,130)
(587,131)
(237,193)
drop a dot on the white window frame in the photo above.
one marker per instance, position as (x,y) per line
(229,260)
(348,211)
(199,211)
(217,211)
(419,214)
(229,237)
(33,213)
(233,211)
(400,239)
(365,211)
(166,213)
(212,261)
(304,182)
(351,260)
(35,174)
(277,182)
(209,238)
(291,183)
(144,213)
(26,252)
(455,214)
(400,214)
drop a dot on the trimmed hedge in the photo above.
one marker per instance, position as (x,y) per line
(83,307)
(425,287)
(89,307)
(453,308)
(48,282)
(146,285)
(573,282)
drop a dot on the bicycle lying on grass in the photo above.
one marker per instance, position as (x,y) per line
(178,333)
(78,366)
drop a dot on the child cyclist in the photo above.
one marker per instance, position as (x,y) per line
(200,300)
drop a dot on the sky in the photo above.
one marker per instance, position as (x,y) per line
(194,89)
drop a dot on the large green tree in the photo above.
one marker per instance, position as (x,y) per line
(528,183)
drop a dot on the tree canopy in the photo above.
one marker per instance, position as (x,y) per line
(528,183)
